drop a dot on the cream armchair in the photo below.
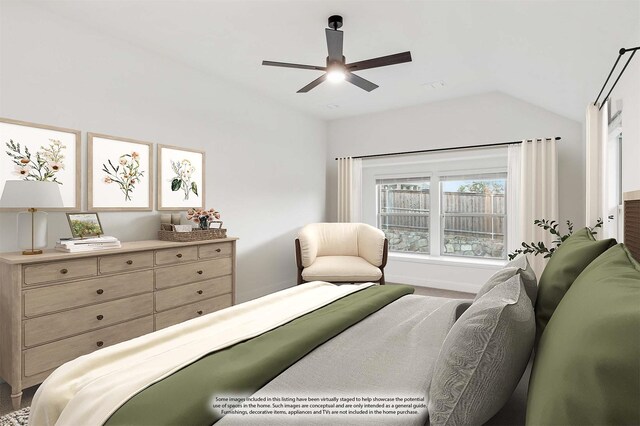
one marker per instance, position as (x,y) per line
(341,253)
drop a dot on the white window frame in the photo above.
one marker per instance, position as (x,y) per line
(432,166)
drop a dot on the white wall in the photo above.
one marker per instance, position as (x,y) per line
(265,162)
(628,91)
(472,120)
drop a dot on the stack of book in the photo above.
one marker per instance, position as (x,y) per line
(87,244)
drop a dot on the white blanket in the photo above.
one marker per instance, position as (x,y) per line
(89,389)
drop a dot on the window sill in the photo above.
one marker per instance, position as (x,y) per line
(493,264)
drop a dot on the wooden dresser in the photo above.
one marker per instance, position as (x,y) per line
(57,306)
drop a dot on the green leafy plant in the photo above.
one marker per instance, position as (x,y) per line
(551,226)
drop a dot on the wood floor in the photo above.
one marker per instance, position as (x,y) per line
(5,391)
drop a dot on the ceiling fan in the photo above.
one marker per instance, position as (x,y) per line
(337,69)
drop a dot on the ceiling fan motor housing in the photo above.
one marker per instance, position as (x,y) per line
(335,22)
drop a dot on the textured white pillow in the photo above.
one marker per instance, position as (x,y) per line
(483,357)
(518,266)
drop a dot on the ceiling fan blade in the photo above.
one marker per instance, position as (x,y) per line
(360,82)
(382,61)
(298,66)
(334,44)
(313,84)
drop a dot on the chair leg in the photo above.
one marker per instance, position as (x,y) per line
(382,279)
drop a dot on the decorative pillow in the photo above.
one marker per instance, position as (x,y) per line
(518,266)
(587,365)
(567,262)
(483,357)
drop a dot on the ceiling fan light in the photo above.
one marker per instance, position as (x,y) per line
(336,75)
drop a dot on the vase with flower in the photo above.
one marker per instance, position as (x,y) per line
(203,217)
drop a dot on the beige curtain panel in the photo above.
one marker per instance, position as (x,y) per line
(349,189)
(538,193)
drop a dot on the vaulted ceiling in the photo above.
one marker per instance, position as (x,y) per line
(554,54)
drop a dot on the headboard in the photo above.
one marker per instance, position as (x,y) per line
(632,222)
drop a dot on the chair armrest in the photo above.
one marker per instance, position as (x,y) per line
(308,243)
(385,254)
(371,245)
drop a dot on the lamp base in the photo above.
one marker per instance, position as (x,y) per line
(30,252)
(32,231)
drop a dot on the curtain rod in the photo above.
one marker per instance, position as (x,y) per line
(620,53)
(423,151)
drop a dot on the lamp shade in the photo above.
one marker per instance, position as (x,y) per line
(31,194)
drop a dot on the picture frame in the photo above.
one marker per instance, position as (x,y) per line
(85,224)
(181,178)
(119,173)
(34,151)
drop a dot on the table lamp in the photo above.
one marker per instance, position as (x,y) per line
(32,224)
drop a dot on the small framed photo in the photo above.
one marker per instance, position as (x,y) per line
(181,178)
(120,174)
(39,152)
(84,225)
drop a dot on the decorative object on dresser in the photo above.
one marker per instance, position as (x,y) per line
(84,225)
(37,152)
(59,306)
(73,245)
(203,218)
(181,178)
(120,172)
(32,225)
(195,235)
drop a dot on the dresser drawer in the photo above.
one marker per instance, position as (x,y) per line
(56,326)
(59,297)
(192,272)
(57,271)
(125,262)
(176,255)
(194,310)
(47,357)
(213,251)
(190,293)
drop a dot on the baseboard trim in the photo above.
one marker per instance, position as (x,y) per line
(439,284)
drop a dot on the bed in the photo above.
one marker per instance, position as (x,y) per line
(371,354)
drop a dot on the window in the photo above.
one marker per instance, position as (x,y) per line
(450,205)
(403,213)
(473,215)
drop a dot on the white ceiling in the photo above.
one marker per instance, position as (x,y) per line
(555,54)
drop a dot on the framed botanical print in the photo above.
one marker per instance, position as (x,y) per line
(120,174)
(40,152)
(181,178)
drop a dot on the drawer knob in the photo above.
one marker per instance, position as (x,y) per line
(99,343)
(63,271)
(99,317)
(129,262)
(179,255)
(99,291)
(218,250)
(199,312)
(199,272)
(199,292)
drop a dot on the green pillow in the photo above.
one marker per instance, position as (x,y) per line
(567,262)
(587,366)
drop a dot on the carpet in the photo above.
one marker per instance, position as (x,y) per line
(16,418)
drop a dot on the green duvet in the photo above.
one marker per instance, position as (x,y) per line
(185,398)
